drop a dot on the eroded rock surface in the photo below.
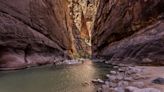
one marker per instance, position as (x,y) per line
(129,31)
(35,32)
(83,15)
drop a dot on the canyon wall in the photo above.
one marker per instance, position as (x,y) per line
(129,31)
(34,32)
(83,15)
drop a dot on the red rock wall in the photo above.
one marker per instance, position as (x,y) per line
(34,32)
(129,31)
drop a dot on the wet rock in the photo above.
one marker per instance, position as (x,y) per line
(70,62)
(115,67)
(113,72)
(97,81)
(158,81)
(108,75)
(121,70)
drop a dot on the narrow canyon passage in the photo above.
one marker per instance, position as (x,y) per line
(39,32)
(121,33)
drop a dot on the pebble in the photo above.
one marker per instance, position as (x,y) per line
(113,72)
(115,67)
(119,77)
(107,75)
(98,81)
(121,70)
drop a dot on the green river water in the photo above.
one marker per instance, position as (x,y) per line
(62,78)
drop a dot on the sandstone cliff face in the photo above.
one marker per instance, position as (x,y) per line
(129,30)
(34,32)
(83,13)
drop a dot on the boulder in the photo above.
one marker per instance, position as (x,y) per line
(159,81)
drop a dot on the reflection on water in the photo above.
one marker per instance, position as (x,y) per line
(65,78)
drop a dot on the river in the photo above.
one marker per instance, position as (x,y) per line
(61,78)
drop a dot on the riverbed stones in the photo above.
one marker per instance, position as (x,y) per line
(127,79)
(135,89)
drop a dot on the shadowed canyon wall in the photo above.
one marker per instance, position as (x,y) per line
(33,32)
(129,31)
(36,32)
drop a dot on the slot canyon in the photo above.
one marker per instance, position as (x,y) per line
(115,32)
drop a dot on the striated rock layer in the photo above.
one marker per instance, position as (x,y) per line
(129,31)
(83,15)
(36,32)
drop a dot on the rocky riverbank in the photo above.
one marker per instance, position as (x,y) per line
(125,78)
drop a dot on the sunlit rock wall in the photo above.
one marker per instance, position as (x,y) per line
(83,15)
